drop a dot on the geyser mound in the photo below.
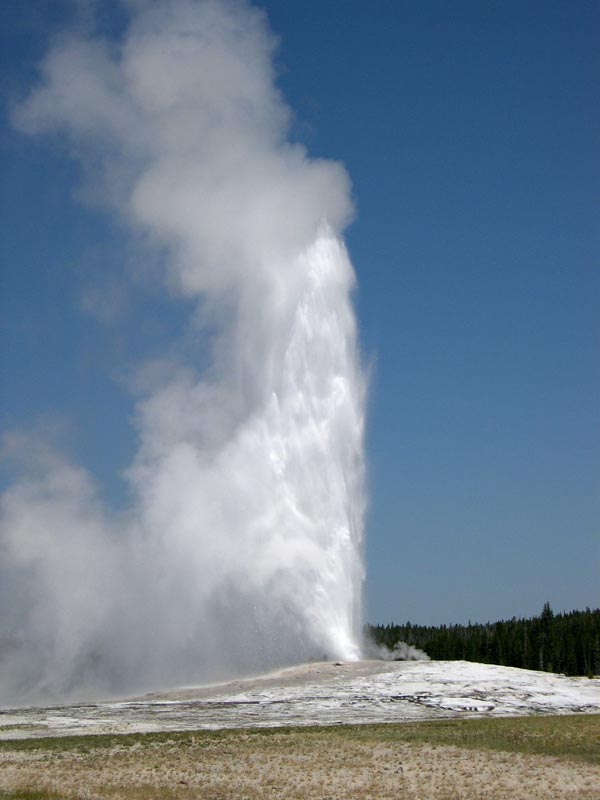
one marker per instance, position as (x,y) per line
(241,549)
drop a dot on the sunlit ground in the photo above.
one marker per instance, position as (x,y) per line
(525,758)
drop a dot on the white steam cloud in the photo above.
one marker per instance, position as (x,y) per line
(401,651)
(242,546)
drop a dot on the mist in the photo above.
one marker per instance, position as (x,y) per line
(241,548)
(401,651)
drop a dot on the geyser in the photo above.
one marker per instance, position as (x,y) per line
(242,545)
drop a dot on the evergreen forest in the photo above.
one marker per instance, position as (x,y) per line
(567,643)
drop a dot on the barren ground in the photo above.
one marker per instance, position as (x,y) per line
(453,731)
(321,694)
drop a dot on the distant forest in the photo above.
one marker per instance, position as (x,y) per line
(567,643)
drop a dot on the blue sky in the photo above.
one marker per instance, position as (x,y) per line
(470,133)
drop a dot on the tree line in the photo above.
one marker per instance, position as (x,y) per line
(567,642)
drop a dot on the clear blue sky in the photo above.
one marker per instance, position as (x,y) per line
(470,131)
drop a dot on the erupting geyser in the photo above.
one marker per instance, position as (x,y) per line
(242,547)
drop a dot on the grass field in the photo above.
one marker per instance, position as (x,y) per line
(496,759)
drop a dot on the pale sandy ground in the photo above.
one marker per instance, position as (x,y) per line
(321,694)
(325,763)
(296,765)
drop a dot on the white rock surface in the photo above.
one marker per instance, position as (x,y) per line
(323,694)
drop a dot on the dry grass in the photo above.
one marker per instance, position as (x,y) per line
(491,759)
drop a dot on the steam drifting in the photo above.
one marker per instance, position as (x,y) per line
(242,547)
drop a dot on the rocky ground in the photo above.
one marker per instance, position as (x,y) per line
(467,731)
(322,693)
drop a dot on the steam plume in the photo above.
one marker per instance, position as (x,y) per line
(242,547)
(401,651)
